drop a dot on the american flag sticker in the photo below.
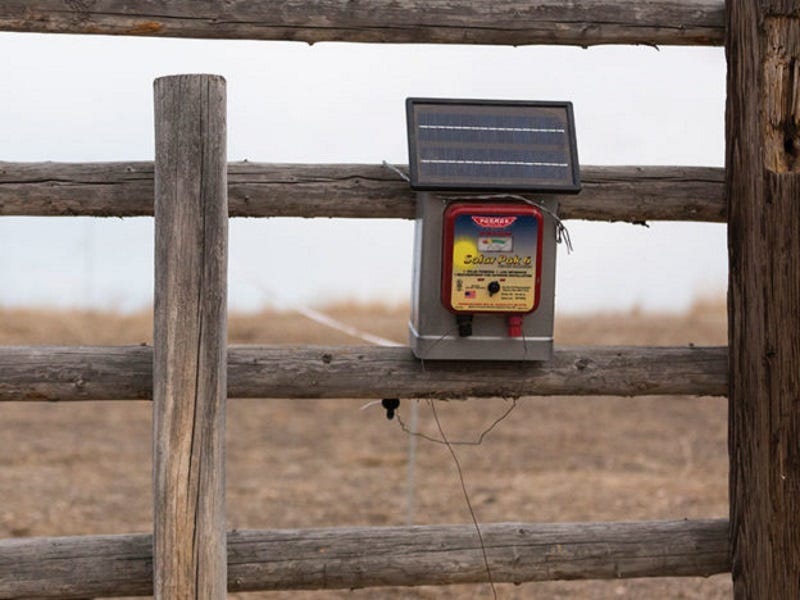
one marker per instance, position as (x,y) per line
(470,294)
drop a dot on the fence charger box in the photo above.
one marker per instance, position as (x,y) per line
(484,263)
(453,278)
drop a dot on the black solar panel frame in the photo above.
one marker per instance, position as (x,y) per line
(572,188)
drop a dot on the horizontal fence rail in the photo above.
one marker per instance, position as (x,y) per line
(502,22)
(34,373)
(124,189)
(293,559)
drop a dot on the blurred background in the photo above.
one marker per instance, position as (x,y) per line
(89,98)
(83,468)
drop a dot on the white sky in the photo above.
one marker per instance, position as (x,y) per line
(89,98)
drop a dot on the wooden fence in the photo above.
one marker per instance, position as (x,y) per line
(187,375)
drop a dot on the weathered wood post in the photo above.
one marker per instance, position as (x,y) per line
(190,337)
(763,187)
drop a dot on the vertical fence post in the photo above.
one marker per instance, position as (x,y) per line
(190,337)
(763,188)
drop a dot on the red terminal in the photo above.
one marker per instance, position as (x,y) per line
(514,325)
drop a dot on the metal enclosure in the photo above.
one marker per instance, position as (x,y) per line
(433,333)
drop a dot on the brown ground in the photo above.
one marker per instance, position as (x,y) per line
(82,468)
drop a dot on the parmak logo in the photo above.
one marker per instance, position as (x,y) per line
(493,222)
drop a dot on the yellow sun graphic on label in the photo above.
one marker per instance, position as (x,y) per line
(463,247)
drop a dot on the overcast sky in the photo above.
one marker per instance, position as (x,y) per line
(89,98)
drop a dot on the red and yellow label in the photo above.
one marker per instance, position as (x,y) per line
(494,263)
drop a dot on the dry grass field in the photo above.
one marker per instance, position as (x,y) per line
(82,468)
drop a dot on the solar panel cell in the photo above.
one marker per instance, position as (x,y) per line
(494,135)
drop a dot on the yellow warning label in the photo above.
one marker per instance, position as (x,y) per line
(494,270)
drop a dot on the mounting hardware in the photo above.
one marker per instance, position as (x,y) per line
(391,405)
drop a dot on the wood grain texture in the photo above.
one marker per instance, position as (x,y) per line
(293,559)
(125,189)
(504,22)
(763,187)
(190,337)
(116,373)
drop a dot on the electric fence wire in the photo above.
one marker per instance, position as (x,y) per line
(328,321)
(402,175)
(476,442)
(466,498)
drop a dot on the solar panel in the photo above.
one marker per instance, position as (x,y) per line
(490,145)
